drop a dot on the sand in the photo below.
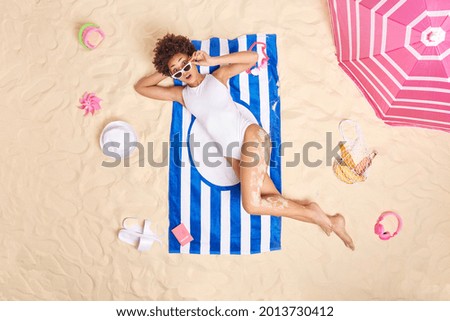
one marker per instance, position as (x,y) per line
(60,209)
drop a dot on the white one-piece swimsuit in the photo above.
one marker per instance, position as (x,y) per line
(212,105)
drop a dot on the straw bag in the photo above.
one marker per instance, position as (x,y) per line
(354,159)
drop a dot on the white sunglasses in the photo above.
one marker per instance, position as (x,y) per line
(180,73)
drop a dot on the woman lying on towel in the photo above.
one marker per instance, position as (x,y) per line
(208,99)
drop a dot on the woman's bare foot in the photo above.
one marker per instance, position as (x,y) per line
(338,222)
(321,219)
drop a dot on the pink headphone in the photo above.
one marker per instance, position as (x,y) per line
(264,61)
(379,228)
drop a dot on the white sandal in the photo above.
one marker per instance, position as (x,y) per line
(140,236)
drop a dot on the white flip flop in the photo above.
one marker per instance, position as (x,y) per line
(137,235)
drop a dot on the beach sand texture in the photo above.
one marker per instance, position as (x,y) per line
(60,209)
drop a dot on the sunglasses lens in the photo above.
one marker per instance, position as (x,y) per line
(180,73)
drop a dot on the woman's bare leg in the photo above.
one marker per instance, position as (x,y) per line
(253,168)
(260,195)
(268,188)
(337,220)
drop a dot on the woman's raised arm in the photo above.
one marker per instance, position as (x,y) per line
(231,64)
(148,87)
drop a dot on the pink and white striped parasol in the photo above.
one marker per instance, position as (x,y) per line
(398,53)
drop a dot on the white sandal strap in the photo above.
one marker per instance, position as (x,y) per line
(144,235)
(145,243)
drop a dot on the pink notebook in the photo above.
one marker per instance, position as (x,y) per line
(182,234)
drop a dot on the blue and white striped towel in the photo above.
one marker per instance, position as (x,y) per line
(214,214)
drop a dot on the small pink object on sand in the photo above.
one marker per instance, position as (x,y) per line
(90,103)
(90,35)
(182,234)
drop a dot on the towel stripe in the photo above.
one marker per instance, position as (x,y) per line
(214,51)
(265,123)
(205,47)
(245,97)
(175,176)
(216,220)
(214,215)
(225,223)
(236,223)
(235,192)
(275,135)
(205,218)
(185,176)
(253,84)
(195,211)
(224,197)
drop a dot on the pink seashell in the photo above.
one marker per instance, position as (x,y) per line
(90,103)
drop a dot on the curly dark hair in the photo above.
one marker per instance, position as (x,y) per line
(167,47)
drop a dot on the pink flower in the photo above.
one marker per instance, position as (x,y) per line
(90,103)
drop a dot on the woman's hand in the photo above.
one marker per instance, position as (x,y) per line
(201,58)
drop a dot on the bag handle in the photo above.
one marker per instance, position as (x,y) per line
(357,128)
(353,123)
